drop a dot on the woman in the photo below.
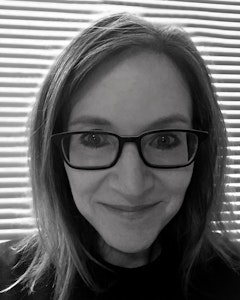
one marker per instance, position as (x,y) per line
(128,155)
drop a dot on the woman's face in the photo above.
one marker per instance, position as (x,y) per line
(128,96)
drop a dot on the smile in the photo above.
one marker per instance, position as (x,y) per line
(129,210)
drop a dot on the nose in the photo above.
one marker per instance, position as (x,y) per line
(132,178)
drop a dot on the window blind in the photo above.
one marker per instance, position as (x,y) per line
(32,34)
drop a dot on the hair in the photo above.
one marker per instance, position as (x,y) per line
(65,241)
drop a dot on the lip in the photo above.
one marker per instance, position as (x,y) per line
(129,208)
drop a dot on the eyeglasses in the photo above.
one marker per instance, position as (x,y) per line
(95,149)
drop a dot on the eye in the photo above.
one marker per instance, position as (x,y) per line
(93,140)
(165,141)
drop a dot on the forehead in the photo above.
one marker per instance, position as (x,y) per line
(131,92)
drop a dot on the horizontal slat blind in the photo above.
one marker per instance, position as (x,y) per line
(32,34)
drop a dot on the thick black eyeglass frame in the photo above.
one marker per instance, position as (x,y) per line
(136,139)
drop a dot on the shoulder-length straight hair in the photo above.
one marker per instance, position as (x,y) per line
(65,241)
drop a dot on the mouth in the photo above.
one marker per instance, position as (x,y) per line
(130,209)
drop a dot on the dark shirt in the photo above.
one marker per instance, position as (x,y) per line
(158,280)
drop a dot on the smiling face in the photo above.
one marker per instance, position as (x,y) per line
(128,96)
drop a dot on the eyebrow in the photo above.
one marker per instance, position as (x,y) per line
(160,123)
(90,120)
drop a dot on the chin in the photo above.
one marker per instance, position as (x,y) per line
(133,240)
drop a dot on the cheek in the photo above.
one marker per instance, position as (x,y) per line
(175,181)
(172,185)
(84,185)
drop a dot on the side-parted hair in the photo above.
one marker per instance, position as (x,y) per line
(65,241)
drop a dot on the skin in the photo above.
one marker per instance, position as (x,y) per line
(133,93)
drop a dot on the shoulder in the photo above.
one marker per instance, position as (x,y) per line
(8,259)
(11,268)
(216,279)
